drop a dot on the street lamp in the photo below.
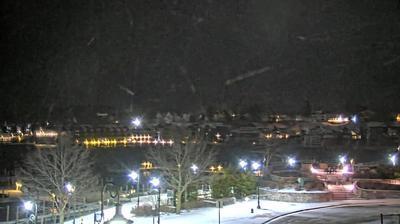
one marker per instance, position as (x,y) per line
(156,183)
(118,217)
(258,196)
(393,159)
(70,188)
(133,175)
(354,119)
(194,168)
(255,165)
(342,159)
(137,122)
(30,206)
(243,164)
(256,168)
(291,161)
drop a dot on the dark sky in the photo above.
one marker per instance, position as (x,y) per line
(177,55)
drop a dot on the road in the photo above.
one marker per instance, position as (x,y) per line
(361,214)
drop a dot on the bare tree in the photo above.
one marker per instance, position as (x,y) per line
(182,164)
(270,150)
(61,173)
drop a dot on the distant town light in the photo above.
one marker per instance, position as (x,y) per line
(212,168)
(219,167)
(354,118)
(45,133)
(338,120)
(18,186)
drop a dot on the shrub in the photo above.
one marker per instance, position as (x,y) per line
(233,183)
(196,204)
(143,210)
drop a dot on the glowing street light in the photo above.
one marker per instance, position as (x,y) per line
(133,175)
(28,205)
(70,188)
(32,207)
(219,168)
(243,164)
(255,165)
(342,159)
(18,186)
(156,183)
(354,119)
(194,168)
(393,159)
(137,122)
(212,168)
(291,162)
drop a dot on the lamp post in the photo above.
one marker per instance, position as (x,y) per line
(31,206)
(133,175)
(256,166)
(156,183)
(258,196)
(71,189)
(118,217)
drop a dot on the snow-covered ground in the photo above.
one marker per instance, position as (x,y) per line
(366,214)
(237,213)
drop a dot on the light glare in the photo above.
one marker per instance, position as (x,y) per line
(255,165)
(133,175)
(155,181)
(28,205)
(242,164)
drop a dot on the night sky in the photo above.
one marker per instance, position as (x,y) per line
(57,56)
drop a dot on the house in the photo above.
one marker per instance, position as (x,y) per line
(374,130)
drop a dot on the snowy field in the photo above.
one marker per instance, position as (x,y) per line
(237,213)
